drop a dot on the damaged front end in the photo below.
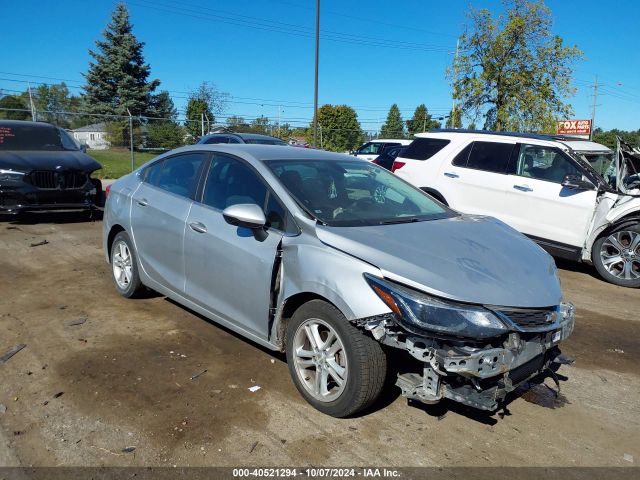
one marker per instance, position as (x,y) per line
(471,354)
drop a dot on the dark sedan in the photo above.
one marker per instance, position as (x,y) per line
(43,168)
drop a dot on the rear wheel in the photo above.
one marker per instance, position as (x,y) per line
(124,267)
(616,256)
(336,367)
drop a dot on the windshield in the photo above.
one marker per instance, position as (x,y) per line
(597,176)
(599,161)
(33,137)
(354,193)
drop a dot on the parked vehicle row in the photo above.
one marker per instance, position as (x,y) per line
(339,257)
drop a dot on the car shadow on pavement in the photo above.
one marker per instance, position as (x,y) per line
(56,217)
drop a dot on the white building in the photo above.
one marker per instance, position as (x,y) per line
(93,136)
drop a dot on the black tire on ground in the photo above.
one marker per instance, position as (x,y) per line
(134,287)
(597,259)
(366,361)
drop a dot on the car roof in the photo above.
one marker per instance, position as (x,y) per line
(270,152)
(244,136)
(390,140)
(18,123)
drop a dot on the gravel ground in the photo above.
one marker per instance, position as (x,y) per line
(121,377)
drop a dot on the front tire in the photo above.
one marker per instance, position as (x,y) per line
(335,367)
(124,267)
(616,256)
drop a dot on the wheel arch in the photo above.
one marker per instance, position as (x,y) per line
(288,308)
(115,230)
(435,194)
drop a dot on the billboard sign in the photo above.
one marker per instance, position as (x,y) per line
(574,127)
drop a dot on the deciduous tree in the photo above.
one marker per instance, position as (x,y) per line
(513,70)
(339,128)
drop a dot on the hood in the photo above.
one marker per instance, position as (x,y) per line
(28,160)
(466,258)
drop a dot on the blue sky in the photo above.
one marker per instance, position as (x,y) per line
(372,54)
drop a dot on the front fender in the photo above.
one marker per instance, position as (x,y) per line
(331,274)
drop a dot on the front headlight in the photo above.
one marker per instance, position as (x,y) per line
(420,311)
(9,177)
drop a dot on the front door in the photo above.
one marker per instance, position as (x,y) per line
(538,205)
(229,269)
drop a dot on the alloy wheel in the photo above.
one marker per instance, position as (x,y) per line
(122,265)
(320,360)
(620,254)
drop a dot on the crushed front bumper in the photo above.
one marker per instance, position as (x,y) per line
(478,376)
(30,198)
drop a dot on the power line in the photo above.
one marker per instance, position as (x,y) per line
(278,27)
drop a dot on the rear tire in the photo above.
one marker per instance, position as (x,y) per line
(616,256)
(124,267)
(336,367)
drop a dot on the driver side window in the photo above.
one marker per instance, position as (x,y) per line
(544,163)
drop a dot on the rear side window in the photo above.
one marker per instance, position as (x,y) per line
(177,174)
(424,148)
(487,156)
(217,139)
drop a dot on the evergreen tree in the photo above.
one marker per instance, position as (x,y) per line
(162,106)
(117,79)
(421,121)
(393,127)
(16,108)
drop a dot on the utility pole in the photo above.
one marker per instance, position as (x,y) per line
(455,79)
(131,139)
(315,90)
(593,108)
(34,114)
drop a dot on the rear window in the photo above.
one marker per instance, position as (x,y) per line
(424,148)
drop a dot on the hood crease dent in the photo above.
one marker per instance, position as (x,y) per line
(466,258)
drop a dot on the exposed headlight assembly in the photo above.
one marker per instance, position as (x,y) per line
(9,177)
(419,311)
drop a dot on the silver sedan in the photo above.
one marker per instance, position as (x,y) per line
(334,261)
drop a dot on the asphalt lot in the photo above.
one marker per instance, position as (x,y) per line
(81,394)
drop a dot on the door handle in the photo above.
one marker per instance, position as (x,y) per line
(143,202)
(198,227)
(451,175)
(523,188)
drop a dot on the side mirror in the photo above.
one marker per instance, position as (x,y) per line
(575,182)
(248,215)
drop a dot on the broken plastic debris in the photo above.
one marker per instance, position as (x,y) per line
(5,358)
(255,388)
(128,449)
(627,457)
(3,409)
(196,375)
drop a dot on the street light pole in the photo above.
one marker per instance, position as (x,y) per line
(315,90)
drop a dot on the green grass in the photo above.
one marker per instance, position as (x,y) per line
(117,162)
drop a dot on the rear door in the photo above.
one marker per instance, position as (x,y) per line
(158,214)
(538,205)
(474,181)
(229,269)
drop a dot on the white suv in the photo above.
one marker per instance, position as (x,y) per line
(542,187)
